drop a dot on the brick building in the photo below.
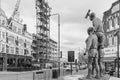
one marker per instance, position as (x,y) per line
(111,23)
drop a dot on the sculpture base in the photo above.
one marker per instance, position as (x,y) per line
(106,77)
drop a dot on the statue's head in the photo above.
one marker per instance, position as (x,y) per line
(90,30)
(92,16)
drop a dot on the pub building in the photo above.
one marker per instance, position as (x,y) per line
(15,42)
(111,24)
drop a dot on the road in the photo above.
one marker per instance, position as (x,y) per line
(75,75)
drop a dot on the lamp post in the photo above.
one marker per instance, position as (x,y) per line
(57,14)
(118,39)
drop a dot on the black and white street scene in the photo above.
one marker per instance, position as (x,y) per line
(59,39)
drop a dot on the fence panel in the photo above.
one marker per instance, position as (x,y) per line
(25,76)
(31,75)
(39,75)
(8,76)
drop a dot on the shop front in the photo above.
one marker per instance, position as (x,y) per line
(12,61)
(109,63)
(110,58)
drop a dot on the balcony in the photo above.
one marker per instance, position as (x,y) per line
(42,34)
(43,40)
(45,15)
(34,45)
(42,19)
(43,27)
(43,46)
(42,7)
(42,51)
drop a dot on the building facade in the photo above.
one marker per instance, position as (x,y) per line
(111,23)
(42,35)
(15,42)
(53,53)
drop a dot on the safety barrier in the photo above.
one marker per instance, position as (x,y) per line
(46,74)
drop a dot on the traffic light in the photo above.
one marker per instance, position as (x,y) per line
(70,56)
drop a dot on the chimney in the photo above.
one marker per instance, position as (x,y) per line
(24,28)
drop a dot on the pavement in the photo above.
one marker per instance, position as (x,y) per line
(80,74)
(29,76)
(76,77)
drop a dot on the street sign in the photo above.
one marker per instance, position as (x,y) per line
(70,56)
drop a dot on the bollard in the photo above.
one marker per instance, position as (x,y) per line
(45,75)
(63,72)
(33,75)
(17,76)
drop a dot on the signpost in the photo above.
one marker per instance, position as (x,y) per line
(71,58)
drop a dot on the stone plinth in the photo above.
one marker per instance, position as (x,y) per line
(106,77)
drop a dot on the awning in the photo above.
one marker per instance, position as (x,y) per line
(109,59)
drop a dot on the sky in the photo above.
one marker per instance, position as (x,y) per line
(72,12)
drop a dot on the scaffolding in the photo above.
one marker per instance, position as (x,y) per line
(42,31)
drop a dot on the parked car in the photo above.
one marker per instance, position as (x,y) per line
(83,67)
(68,69)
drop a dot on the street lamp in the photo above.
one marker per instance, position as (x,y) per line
(57,14)
(118,39)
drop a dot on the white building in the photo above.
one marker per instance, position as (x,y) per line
(15,41)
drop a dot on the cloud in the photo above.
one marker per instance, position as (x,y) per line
(73,23)
(72,12)
(26,9)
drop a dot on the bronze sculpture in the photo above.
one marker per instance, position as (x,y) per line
(96,62)
(97,24)
(91,49)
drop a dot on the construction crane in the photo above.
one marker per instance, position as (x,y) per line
(14,12)
(16,8)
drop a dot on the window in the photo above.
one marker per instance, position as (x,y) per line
(25,45)
(14,28)
(112,40)
(11,39)
(3,47)
(116,22)
(26,52)
(21,42)
(110,24)
(0,35)
(0,21)
(115,40)
(17,42)
(3,35)
(0,47)
(19,30)
(17,50)
(10,27)
(7,49)
(3,22)
(21,52)
(113,23)
(12,50)
(28,45)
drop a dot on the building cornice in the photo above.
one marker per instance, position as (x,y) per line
(15,32)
